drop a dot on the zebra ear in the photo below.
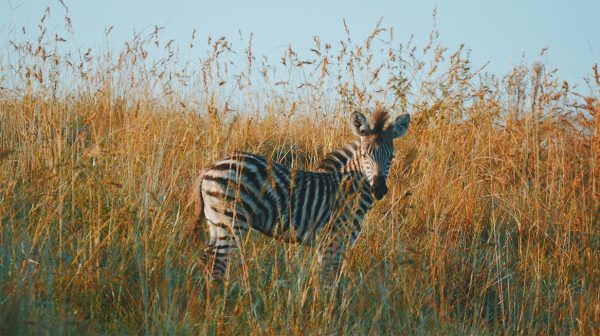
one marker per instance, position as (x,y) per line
(359,124)
(400,126)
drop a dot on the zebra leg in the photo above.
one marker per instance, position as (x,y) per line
(225,239)
(330,254)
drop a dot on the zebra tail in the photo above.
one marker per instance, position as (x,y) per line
(195,231)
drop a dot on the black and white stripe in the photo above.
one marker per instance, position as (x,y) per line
(247,191)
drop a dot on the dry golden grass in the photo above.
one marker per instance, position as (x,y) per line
(490,226)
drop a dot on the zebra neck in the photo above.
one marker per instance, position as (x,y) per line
(344,164)
(342,160)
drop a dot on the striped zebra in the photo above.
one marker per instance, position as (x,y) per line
(322,208)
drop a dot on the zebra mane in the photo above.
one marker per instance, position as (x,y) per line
(378,120)
(335,160)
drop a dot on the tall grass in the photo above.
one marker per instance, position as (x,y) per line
(490,226)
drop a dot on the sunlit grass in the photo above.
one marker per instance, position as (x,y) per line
(490,225)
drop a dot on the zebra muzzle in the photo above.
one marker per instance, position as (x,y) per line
(379,188)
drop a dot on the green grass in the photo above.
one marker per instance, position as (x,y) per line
(490,225)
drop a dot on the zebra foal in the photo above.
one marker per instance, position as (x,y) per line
(247,191)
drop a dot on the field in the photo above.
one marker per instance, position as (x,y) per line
(490,226)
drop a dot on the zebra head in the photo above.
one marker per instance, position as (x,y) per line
(376,148)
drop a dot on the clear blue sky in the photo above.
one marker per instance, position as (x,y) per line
(497,31)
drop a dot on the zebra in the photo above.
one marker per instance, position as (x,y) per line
(323,208)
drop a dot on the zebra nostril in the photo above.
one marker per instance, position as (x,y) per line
(374,184)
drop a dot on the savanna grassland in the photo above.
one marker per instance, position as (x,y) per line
(490,226)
